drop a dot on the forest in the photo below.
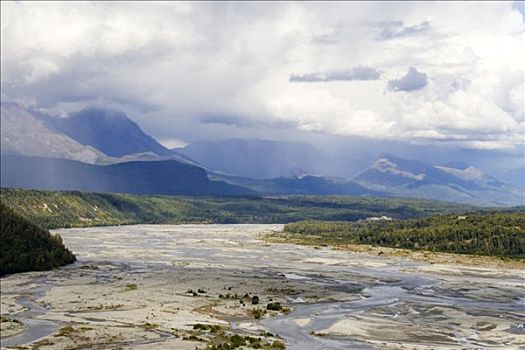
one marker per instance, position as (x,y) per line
(57,209)
(491,233)
(28,247)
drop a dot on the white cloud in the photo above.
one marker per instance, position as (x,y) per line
(186,70)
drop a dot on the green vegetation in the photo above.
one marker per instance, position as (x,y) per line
(212,328)
(28,247)
(234,341)
(54,209)
(65,331)
(5,319)
(131,286)
(149,325)
(258,313)
(495,233)
(274,306)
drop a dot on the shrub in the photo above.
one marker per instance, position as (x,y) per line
(274,306)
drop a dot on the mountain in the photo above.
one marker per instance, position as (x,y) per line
(515,176)
(103,136)
(304,185)
(151,177)
(28,247)
(24,132)
(457,182)
(264,159)
(92,132)
(109,131)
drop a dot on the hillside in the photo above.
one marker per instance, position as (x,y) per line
(110,131)
(264,159)
(496,233)
(24,132)
(148,177)
(304,185)
(455,182)
(28,247)
(53,209)
(107,137)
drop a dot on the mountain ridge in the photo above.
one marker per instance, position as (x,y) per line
(167,177)
(264,167)
(414,178)
(108,130)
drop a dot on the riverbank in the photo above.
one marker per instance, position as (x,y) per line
(10,327)
(417,255)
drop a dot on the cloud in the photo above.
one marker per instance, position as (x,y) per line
(240,122)
(356,73)
(520,6)
(203,70)
(397,29)
(412,81)
(332,38)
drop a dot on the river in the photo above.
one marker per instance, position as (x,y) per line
(340,300)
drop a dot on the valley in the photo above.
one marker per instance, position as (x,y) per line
(165,287)
(262,175)
(104,150)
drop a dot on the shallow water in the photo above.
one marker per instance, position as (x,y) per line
(415,307)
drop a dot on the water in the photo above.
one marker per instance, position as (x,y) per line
(381,299)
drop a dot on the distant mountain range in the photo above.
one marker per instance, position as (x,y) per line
(304,185)
(456,182)
(263,159)
(99,149)
(167,177)
(515,176)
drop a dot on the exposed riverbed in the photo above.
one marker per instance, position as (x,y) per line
(146,286)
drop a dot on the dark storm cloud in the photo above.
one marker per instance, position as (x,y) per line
(356,73)
(412,81)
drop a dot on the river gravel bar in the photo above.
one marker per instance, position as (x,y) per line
(202,286)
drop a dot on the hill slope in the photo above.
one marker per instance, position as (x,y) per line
(453,182)
(28,247)
(264,159)
(109,131)
(53,209)
(304,185)
(153,177)
(24,132)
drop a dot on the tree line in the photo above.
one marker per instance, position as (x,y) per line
(28,247)
(495,233)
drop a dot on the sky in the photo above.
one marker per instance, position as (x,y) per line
(421,72)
